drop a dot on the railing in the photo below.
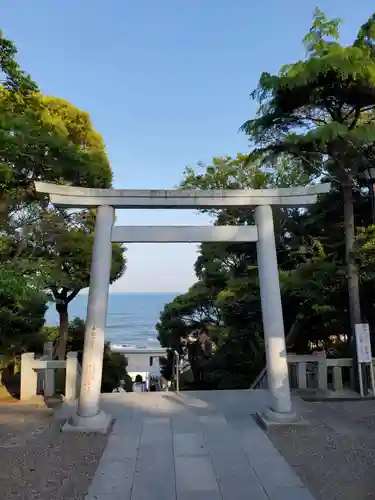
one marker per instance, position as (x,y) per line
(261,381)
(308,371)
(177,370)
(38,375)
(315,372)
(79,377)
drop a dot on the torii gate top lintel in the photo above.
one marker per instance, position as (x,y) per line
(82,197)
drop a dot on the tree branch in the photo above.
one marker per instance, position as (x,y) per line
(73,294)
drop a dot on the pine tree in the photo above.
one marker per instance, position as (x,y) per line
(319,111)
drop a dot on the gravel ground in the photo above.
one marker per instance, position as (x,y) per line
(38,462)
(335,456)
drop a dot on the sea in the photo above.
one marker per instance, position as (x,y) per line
(131,317)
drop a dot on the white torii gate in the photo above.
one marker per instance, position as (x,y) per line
(89,417)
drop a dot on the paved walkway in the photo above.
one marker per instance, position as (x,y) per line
(195,446)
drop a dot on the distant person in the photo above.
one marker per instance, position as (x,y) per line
(121,387)
(205,343)
(200,353)
(153,388)
(138,384)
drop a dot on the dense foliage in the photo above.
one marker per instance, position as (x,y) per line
(311,257)
(319,111)
(315,122)
(45,253)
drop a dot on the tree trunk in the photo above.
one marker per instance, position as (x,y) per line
(353,281)
(3,211)
(293,333)
(62,309)
(352,271)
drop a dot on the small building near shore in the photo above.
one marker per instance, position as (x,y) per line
(143,362)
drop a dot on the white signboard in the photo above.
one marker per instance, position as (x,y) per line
(362,337)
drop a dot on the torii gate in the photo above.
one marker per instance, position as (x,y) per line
(89,417)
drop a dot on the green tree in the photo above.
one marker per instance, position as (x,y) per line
(74,253)
(227,276)
(316,111)
(186,314)
(23,300)
(46,138)
(15,79)
(311,258)
(22,311)
(66,243)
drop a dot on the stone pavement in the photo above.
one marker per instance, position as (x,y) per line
(192,446)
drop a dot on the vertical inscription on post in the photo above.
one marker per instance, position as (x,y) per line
(90,367)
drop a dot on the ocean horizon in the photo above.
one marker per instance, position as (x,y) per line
(131,316)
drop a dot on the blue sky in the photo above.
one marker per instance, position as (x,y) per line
(167,84)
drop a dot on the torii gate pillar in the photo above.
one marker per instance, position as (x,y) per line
(89,416)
